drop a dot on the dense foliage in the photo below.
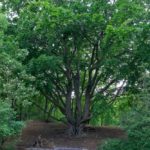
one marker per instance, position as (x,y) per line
(14,87)
(136,123)
(15,94)
(8,124)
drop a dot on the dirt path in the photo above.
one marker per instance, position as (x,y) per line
(55,133)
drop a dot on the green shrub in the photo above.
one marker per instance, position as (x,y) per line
(8,125)
(136,124)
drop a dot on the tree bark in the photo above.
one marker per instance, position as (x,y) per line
(75,129)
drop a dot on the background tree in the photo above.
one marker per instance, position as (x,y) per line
(14,81)
(8,124)
(83,48)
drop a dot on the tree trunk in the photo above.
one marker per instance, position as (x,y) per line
(46,109)
(2,141)
(76,122)
(75,129)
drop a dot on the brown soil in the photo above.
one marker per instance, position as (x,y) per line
(56,133)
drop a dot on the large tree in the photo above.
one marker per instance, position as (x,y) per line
(78,49)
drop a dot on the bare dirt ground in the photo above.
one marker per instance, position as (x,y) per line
(56,134)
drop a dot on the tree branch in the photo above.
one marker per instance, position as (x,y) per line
(107,86)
